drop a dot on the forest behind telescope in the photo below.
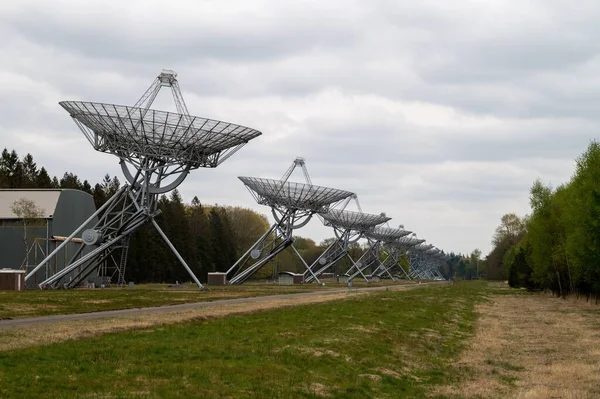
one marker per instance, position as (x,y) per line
(209,237)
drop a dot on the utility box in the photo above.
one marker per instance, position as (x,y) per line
(217,278)
(298,278)
(289,278)
(343,279)
(12,280)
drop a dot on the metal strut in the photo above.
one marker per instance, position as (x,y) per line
(298,162)
(370,259)
(331,256)
(274,241)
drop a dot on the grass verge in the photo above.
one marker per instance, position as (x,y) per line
(530,345)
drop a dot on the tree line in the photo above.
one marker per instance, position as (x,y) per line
(557,246)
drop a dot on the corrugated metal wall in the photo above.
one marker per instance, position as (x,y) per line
(72,209)
(12,247)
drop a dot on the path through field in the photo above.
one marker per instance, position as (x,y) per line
(531,346)
(21,333)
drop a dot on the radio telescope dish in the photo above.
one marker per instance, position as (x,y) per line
(350,220)
(162,148)
(417,260)
(387,234)
(378,237)
(409,241)
(425,262)
(394,250)
(348,227)
(292,205)
(137,133)
(292,195)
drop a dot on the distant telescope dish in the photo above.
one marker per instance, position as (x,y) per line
(292,195)
(386,234)
(292,206)
(407,242)
(353,220)
(379,238)
(323,261)
(348,227)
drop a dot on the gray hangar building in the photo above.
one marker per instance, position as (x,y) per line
(62,211)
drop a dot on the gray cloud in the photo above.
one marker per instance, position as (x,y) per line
(439,113)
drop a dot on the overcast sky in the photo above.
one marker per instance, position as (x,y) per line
(439,113)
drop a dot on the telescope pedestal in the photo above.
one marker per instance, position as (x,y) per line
(275,240)
(124,213)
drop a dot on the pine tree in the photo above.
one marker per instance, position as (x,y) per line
(30,172)
(43,179)
(70,180)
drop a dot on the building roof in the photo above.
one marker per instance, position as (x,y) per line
(289,274)
(45,199)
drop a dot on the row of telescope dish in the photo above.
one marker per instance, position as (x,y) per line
(293,204)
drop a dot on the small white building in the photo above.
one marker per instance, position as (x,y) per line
(289,278)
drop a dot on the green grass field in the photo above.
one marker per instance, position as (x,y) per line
(385,344)
(41,303)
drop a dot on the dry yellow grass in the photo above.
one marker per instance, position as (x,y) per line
(531,347)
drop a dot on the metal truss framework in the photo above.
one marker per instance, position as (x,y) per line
(425,262)
(162,148)
(348,227)
(394,250)
(371,259)
(292,206)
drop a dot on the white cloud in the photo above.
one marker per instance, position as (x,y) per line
(439,113)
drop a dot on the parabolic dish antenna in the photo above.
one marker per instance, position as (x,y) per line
(351,220)
(292,205)
(306,197)
(425,262)
(162,148)
(422,247)
(387,234)
(394,250)
(142,133)
(406,242)
(348,227)
(371,259)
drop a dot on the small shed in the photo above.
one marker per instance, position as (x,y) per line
(217,278)
(12,280)
(289,278)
